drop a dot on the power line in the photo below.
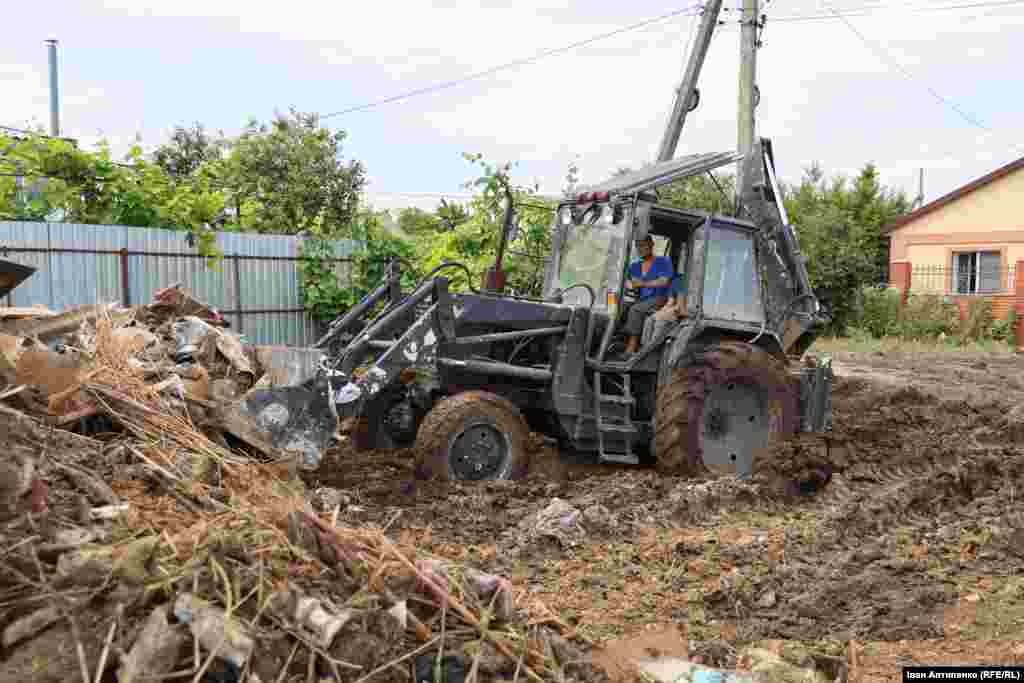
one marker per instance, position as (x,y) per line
(869,10)
(519,62)
(882,54)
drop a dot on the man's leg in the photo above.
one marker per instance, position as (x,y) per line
(638,312)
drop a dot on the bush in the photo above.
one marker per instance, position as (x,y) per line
(926,316)
(978,324)
(1006,329)
(879,312)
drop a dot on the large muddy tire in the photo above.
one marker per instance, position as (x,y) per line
(724,405)
(474,435)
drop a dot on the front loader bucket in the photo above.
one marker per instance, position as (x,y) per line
(296,419)
(13,274)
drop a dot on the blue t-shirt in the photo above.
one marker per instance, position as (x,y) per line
(662,267)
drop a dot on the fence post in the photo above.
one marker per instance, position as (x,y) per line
(126,287)
(899,277)
(238,291)
(1018,301)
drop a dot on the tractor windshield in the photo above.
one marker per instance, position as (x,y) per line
(591,249)
(732,288)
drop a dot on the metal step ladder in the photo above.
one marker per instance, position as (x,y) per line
(613,415)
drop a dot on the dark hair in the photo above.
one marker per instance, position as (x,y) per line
(645,238)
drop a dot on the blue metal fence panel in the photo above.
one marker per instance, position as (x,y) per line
(170,260)
(38,289)
(269,282)
(80,279)
(264,279)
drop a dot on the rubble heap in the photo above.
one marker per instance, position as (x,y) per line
(140,541)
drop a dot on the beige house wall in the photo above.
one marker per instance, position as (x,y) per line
(991,217)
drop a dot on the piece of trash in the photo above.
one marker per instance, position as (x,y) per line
(773,667)
(156,651)
(133,339)
(433,571)
(486,585)
(310,613)
(189,333)
(52,373)
(210,625)
(677,669)
(400,613)
(175,301)
(109,511)
(453,668)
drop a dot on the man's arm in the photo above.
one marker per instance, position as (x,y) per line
(663,268)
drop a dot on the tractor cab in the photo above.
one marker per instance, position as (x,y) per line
(713,257)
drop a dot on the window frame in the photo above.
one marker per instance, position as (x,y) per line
(974,275)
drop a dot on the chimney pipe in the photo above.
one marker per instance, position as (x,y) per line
(54,97)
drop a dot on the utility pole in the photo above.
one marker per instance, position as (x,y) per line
(687,90)
(748,86)
(54,98)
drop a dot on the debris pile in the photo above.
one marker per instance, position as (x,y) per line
(139,540)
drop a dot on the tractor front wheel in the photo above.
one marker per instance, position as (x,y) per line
(474,435)
(723,406)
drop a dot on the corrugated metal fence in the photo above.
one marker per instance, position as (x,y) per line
(255,286)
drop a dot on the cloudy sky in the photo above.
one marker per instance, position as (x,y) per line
(139,67)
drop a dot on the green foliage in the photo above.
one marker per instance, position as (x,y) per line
(322,294)
(880,311)
(288,177)
(839,225)
(711,193)
(1005,330)
(417,222)
(325,292)
(978,323)
(927,316)
(283,178)
(378,245)
(188,149)
(470,235)
(714,195)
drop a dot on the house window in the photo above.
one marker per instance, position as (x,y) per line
(977,272)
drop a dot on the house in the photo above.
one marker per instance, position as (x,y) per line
(966,244)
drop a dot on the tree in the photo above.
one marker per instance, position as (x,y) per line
(289,177)
(188,149)
(417,222)
(839,228)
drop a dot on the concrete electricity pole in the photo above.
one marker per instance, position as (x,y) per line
(688,88)
(54,98)
(748,86)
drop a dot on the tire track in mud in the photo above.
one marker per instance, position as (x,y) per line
(881,553)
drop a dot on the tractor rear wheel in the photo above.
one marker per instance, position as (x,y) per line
(474,435)
(724,405)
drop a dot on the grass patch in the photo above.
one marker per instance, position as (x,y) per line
(868,344)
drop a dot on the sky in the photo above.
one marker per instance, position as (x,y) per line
(139,67)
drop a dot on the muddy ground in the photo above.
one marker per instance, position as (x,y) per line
(913,552)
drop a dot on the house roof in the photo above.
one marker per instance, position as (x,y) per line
(955,195)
